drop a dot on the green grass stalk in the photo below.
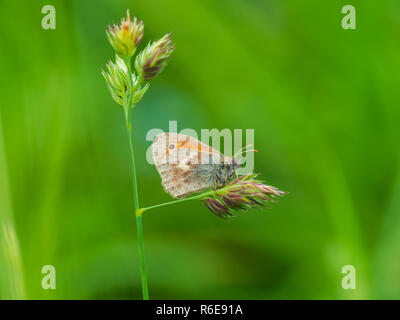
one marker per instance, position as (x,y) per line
(139,225)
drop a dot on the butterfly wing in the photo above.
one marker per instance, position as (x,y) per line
(185,164)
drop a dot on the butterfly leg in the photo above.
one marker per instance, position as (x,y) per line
(215,185)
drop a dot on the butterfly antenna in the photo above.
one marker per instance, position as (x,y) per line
(240,151)
(244,150)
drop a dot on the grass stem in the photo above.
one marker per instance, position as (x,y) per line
(196,197)
(139,225)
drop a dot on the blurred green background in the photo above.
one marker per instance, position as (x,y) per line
(324,103)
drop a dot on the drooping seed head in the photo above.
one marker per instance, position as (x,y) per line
(241,194)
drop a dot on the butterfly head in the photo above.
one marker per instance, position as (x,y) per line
(229,167)
(235,163)
(226,170)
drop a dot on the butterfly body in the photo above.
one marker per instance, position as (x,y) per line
(188,166)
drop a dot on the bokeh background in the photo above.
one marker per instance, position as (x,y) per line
(324,104)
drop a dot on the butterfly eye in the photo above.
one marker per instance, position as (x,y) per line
(171,146)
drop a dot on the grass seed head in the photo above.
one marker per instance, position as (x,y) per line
(243,193)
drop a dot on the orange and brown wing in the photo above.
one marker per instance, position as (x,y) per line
(177,158)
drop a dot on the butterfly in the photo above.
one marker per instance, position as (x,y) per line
(188,166)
